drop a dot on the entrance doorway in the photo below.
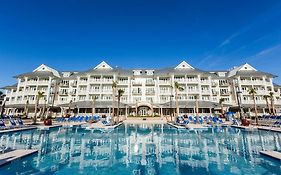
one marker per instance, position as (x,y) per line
(144,111)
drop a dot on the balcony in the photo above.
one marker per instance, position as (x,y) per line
(64,84)
(136,92)
(205,81)
(150,92)
(180,80)
(165,82)
(73,83)
(224,84)
(214,83)
(150,83)
(224,93)
(215,92)
(43,82)
(72,93)
(206,91)
(196,91)
(192,80)
(135,83)
(63,93)
(165,92)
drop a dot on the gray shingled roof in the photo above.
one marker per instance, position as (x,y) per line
(191,104)
(14,86)
(169,71)
(119,71)
(253,73)
(89,104)
(36,74)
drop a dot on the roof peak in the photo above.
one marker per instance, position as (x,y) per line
(44,67)
(103,65)
(184,65)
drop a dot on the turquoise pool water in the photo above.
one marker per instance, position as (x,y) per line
(144,150)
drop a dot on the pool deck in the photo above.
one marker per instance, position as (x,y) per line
(246,128)
(192,126)
(267,128)
(17,129)
(176,126)
(42,127)
(147,121)
(99,125)
(272,154)
(14,155)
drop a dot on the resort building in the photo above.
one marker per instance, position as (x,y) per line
(146,91)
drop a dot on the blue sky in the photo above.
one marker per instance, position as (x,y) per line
(77,35)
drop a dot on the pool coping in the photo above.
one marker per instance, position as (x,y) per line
(272,154)
(17,129)
(11,156)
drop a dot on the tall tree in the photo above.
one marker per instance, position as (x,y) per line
(196,105)
(267,104)
(221,101)
(2,95)
(114,86)
(94,105)
(177,89)
(38,97)
(25,112)
(271,96)
(120,93)
(253,92)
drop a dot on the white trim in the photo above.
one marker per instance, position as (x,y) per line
(184,65)
(103,65)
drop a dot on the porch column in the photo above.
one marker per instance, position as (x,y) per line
(161,112)
(210,111)
(194,111)
(126,112)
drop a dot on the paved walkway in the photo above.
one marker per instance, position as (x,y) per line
(272,154)
(99,125)
(17,129)
(148,120)
(14,155)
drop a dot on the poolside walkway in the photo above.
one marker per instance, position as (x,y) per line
(99,125)
(272,154)
(148,120)
(17,129)
(14,155)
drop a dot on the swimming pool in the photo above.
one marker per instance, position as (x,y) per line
(144,150)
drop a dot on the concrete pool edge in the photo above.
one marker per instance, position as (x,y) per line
(11,156)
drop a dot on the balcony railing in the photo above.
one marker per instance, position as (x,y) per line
(150,92)
(150,83)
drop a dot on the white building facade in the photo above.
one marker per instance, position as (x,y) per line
(146,91)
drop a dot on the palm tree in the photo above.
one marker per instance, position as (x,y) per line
(38,97)
(114,85)
(253,92)
(94,105)
(69,107)
(25,112)
(267,104)
(196,105)
(120,92)
(2,95)
(221,101)
(177,89)
(271,96)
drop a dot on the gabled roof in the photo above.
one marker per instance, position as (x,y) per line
(41,71)
(247,70)
(14,86)
(43,67)
(103,65)
(184,65)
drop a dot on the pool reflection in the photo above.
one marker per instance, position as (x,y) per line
(145,149)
